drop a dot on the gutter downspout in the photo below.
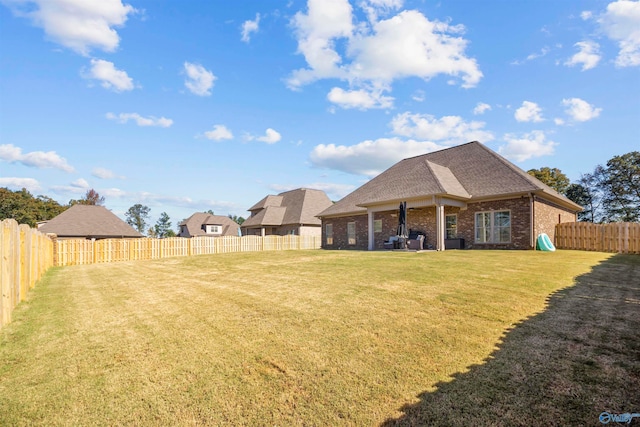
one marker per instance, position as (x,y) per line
(532,216)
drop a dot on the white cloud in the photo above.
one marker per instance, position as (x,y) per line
(37,159)
(418,96)
(481,108)
(360,99)
(249,27)
(527,146)
(621,22)
(375,8)
(409,45)
(78,186)
(588,55)
(586,15)
(448,129)
(219,133)
(79,25)
(103,173)
(140,121)
(19,183)
(377,52)
(368,157)
(271,137)
(558,121)
(529,112)
(110,77)
(80,183)
(580,110)
(199,80)
(543,52)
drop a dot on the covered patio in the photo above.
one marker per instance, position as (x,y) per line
(434,228)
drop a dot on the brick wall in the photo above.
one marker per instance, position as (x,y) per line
(520,224)
(547,215)
(340,232)
(424,219)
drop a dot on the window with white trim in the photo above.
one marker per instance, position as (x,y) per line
(214,229)
(328,230)
(351,233)
(451,222)
(493,227)
(377,226)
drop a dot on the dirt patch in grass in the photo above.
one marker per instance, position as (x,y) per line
(322,338)
(579,358)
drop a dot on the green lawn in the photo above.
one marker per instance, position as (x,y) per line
(326,338)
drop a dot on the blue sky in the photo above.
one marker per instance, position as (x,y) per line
(187,106)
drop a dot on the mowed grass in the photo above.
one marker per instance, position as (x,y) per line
(312,338)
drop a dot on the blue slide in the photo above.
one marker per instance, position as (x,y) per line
(544,243)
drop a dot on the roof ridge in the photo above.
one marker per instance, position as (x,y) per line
(435,175)
(444,149)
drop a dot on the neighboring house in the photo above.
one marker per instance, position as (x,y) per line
(465,192)
(88,222)
(292,212)
(204,224)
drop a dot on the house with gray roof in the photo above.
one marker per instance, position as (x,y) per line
(291,212)
(88,222)
(464,196)
(205,224)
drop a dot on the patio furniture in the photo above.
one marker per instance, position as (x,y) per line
(417,243)
(417,239)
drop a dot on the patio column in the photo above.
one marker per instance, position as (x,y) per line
(440,226)
(370,229)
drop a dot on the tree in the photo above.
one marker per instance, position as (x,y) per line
(554,178)
(137,217)
(163,226)
(26,209)
(620,183)
(91,197)
(210,212)
(587,195)
(238,219)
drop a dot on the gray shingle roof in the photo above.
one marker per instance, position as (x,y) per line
(467,172)
(298,206)
(195,222)
(89,221)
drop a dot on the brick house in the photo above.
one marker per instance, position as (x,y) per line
(465,196)
(291,212)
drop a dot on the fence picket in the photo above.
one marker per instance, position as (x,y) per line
(25,255)
(622,237)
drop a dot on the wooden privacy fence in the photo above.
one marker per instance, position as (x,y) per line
(25,255)
(623,237)
(82,251)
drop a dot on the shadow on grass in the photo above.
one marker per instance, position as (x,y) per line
(564,366)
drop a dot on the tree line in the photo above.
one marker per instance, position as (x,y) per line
(611,193)
(27,209)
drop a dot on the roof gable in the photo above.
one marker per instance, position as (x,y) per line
(89,221)
(299,206)
(469,171)
(195,222)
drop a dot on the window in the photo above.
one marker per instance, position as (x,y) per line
(493,227)
(214,229)
(451,222)
(377,226)
(328,229)
(351,233)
